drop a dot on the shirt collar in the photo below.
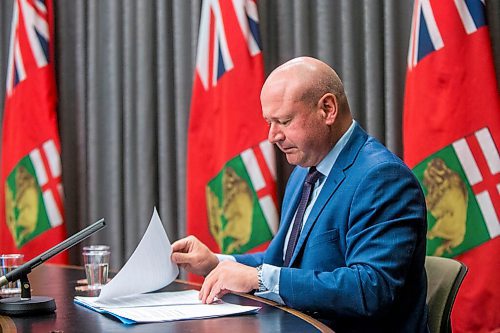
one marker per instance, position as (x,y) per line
(326,164)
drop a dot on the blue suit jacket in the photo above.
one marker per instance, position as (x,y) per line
(359,262)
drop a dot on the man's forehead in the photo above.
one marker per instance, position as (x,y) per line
(281,88)
(279,107)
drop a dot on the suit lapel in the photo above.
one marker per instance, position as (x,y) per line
(335,178)
(331,184)
(275,250)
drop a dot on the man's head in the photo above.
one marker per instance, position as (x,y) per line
(306,108)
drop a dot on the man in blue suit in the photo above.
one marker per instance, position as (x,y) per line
(350,249)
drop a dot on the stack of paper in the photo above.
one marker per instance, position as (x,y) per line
(150,268)
(163,306)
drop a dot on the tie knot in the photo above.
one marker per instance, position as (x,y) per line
(312,176)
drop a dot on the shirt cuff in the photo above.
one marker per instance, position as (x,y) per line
(225,257)
(271,280)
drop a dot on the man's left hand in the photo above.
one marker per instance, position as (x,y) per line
(228,276)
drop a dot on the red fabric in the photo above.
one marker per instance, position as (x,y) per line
(478,301)
(224,120)
(29,120)
(450,94)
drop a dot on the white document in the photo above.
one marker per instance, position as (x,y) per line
(149,268)
(185,297)
(180,312)
(163,306)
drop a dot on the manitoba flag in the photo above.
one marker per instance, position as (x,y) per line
(31,193)
(231,176)
(451,140)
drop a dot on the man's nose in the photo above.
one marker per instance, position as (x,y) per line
(275,134)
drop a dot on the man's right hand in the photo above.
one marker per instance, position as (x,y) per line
(194,256)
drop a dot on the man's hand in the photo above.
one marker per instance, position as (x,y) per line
(194,256)
(228,276)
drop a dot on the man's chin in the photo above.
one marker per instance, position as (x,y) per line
(292,159)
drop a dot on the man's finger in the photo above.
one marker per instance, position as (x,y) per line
(200,293)
(204,292)
(216,289)
(180,245)
(182,258)
(207,287)
(202,289)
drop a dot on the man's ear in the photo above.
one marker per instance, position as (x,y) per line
(329,105)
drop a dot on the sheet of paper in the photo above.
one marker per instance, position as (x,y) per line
(184,297)
(163,306)
(149,268)
(179,312)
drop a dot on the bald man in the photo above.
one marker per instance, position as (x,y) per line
(350,249)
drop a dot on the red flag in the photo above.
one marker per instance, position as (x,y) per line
(31,194)
(231,176)
(451,139)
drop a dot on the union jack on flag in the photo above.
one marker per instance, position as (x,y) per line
(213,57)
(426,35)
(29,40)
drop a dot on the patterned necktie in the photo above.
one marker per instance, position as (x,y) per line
(311,179)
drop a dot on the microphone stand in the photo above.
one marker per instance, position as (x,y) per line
(26,304)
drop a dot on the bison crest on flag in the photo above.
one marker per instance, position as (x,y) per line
(33,194)
(461,183)
(447,202)
(238,205)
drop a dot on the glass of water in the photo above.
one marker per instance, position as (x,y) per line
(96,261)
(9,262)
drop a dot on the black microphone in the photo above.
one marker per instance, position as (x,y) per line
(25,304)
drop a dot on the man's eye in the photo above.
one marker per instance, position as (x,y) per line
(285,122)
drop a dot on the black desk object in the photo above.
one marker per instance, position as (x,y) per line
(59,282)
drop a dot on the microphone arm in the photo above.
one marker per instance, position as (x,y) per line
(26,268)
